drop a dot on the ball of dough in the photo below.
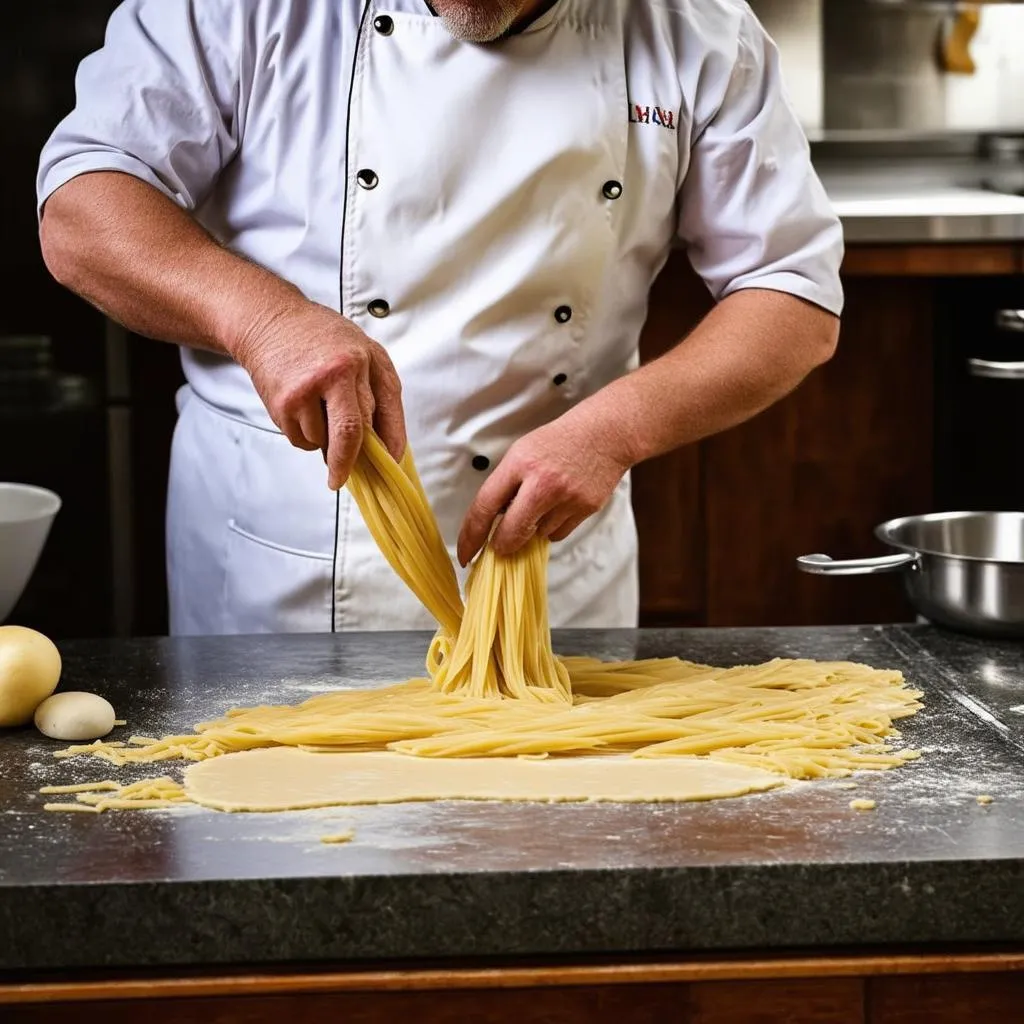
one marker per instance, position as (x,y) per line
(29,673)
(75,716)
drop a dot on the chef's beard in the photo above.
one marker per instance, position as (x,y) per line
(478,21)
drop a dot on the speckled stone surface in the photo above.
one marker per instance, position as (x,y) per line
(790,868)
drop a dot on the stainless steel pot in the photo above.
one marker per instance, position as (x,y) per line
(964,570)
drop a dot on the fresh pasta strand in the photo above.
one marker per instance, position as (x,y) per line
(499,643)
(96,797)
(391,500)
(790,716)
(495,688)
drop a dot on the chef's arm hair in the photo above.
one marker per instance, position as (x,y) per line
(134,254)
(752,349)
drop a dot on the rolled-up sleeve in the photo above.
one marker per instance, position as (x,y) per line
(159,100)
(753,213)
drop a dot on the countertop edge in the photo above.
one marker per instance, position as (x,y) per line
(340,919)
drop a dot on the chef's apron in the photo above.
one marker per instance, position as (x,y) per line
(479,224)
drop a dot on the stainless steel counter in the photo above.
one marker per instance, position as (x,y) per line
(942,199)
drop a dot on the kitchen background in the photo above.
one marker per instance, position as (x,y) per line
(916,115)
(870,65)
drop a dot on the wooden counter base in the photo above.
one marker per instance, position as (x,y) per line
(954,988)
(945,260)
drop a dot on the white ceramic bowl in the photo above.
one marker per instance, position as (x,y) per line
(26,515)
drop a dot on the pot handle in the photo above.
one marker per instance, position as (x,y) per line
(822,565)
(995,371)
(1010,320)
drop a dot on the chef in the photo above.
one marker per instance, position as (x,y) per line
(442,220)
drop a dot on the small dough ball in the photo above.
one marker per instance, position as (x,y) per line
(75,716)
(29,673)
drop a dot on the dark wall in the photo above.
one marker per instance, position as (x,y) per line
(40,47)
(72,592)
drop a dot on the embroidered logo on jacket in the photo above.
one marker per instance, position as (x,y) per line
(639,114)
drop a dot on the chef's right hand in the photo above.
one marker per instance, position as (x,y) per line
(323,382)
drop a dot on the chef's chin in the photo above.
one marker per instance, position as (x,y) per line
(479,21)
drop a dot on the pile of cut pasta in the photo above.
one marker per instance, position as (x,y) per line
(495,688)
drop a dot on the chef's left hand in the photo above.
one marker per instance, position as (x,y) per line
(550,481)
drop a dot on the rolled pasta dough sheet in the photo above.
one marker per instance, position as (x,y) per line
(283,779)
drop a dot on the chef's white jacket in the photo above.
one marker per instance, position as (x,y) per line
(493,215)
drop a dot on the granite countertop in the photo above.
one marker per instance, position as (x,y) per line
(789,868)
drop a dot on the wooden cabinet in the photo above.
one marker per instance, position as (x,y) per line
(865,988)
(721,523)
(817,472)
(668,492)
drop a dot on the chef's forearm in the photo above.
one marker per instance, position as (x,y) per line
(131,252)
(754,348)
